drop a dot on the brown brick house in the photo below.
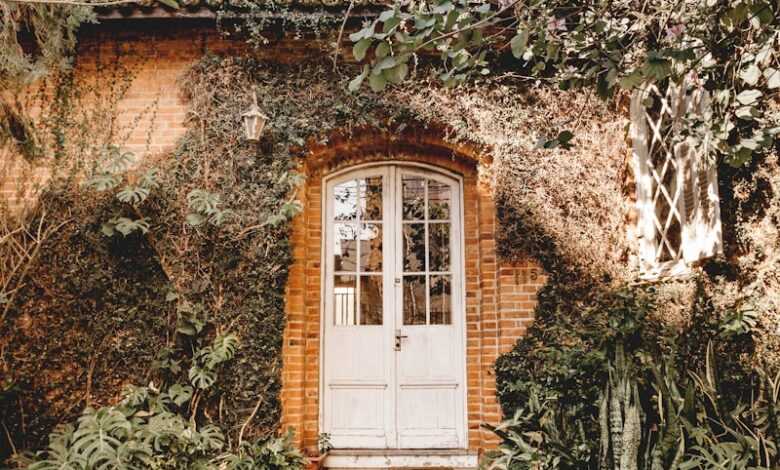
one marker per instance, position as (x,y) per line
(397,303)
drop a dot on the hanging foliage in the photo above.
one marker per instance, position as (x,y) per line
(728,47)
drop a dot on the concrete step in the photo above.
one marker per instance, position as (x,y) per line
(407,459)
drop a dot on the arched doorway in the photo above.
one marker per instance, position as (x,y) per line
(393,319)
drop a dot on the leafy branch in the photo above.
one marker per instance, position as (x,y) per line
(729,48)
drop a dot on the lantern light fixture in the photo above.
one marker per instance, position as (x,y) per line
(254,121)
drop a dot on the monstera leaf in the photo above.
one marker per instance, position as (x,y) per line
(99,436)
(59,454)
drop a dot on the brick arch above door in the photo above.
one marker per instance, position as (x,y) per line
(499,300)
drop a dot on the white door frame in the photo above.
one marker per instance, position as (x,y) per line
(458,266)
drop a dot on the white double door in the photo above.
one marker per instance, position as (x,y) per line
(393,320)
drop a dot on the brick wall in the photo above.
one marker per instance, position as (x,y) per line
(150,112)
(149,109)
(499,299)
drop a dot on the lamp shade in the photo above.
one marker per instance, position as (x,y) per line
(254,121)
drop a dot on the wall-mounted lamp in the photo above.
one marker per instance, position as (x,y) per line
(254,121)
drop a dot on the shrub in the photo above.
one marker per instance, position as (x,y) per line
(160,428)
(614,389)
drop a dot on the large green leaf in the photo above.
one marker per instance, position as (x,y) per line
(396,74)
(632,80)
(519,43)
(377,82)
(354,84)
(772,78)
(750,75)
(747,97)
(360,48)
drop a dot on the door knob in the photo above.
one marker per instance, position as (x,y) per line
(398,338)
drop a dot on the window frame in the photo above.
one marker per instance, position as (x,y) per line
(695,201)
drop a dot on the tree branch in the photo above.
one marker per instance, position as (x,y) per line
(75,3)
(337,49)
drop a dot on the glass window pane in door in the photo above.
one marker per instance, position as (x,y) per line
(414,247)
(438,200)
(345,201)
(414,300)
(413,198)
(439,246)
(344,302)
(371,248)
(371,198)
(345,247)
(371,300)
(441,299)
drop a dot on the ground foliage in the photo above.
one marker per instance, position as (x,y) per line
(608,383)
(161,426)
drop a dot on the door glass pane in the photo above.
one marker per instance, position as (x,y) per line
(414,300)
(345,201)
(413,198)
(371,248)
(439,246)
(426,248)
(371,198)
(438,200)
(345,247)
(441,298)
(371,300)
(344,309)
(414,247)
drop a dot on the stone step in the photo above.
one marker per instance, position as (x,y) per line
(407,459)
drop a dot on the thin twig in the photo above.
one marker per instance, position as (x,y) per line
(9,235)
(90,373)
(337,49)
(40,237)
(8,436)
(194,406)
(248,420)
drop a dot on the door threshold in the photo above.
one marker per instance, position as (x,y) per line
(400,458)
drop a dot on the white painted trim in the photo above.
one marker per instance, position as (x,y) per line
(435,169)
(344,174)
(413,459)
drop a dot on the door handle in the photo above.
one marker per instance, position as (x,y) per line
(398,338)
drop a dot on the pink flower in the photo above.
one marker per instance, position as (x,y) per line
(556,24)
(674,32)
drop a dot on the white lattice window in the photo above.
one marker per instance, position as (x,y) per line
(677,192)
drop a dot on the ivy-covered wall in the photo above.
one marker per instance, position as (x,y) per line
(95,312)
(176,104)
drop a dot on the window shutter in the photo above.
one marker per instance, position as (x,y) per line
(640,135)
(702,234)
